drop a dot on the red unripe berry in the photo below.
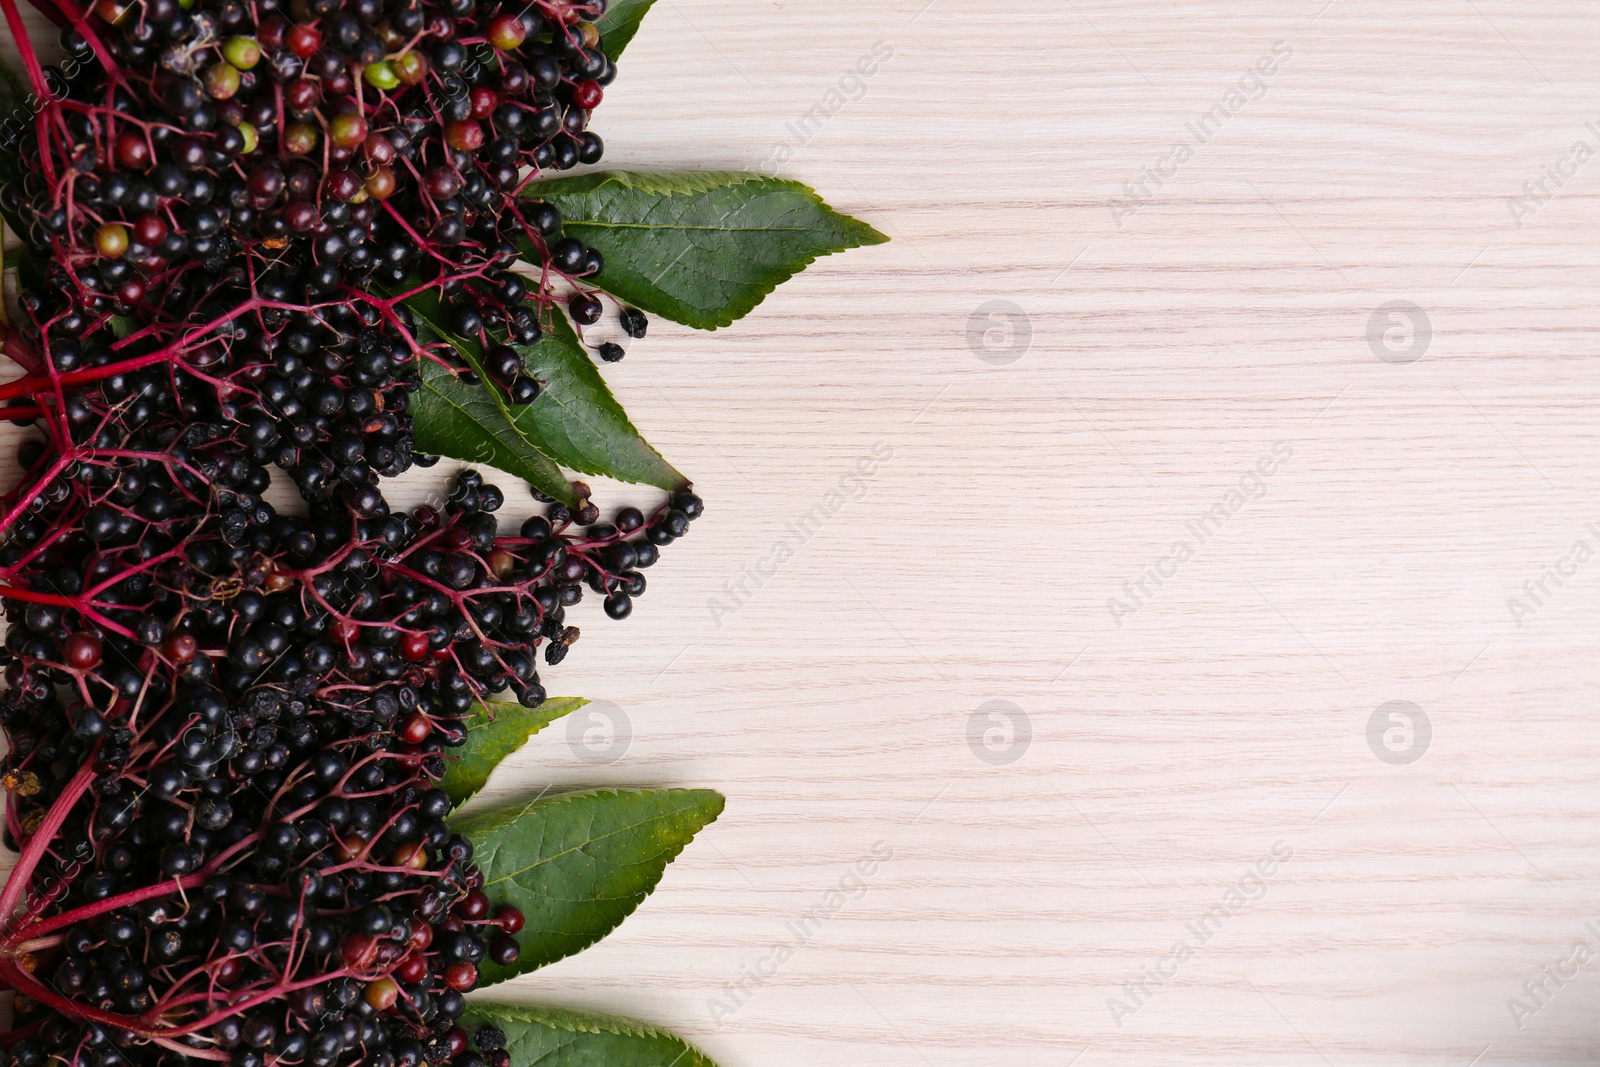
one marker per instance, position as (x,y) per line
(452,924)
(414,649)
(464,136)
(131,292)
(509,919)
(412,968)
(111,240)
(388,953)
(348,130)
(458,1041)
(358,951)
(382,994)
(113,11)
(484,101)
(461,976)
(343,185)
(346,630)
(266,182)
(474,906)
(229,970)
(133,151)
(303,95)
(180,648)
(410,68)
(83,651)
(381,183)
(272,32)
(301,215)
(507,32)
(303,41)
(379,150)
(441,182)
(150,230)
(421,937)
(587,94)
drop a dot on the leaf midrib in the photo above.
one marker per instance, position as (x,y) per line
(603,224)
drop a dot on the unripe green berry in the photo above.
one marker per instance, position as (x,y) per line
(242,52)
(380,75)
(222,81)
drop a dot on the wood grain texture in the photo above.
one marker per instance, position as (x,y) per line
(1168,351)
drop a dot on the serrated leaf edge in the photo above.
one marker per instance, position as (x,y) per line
(490,821)
(477,722)
(581,1022)
(763,285)
(504,408)
(555,486)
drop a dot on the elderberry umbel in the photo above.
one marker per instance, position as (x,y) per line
(312,151)
(227,723)
(225,738)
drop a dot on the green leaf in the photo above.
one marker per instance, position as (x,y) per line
(700,248)
(618,25)
(494,731)
(575,422)
(555,1037)
(463,422)
(577,864)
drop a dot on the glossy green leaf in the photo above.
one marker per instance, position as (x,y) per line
(700,248)
(575,421)
(494,731)
(463,422)
(577,864)
(620,22)
(555,1037)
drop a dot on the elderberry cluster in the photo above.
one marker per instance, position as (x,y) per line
(228,722)
(257,706)
(328,147)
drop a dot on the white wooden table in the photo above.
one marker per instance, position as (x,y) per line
(1152,347)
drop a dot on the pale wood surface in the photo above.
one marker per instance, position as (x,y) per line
(1170,754)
